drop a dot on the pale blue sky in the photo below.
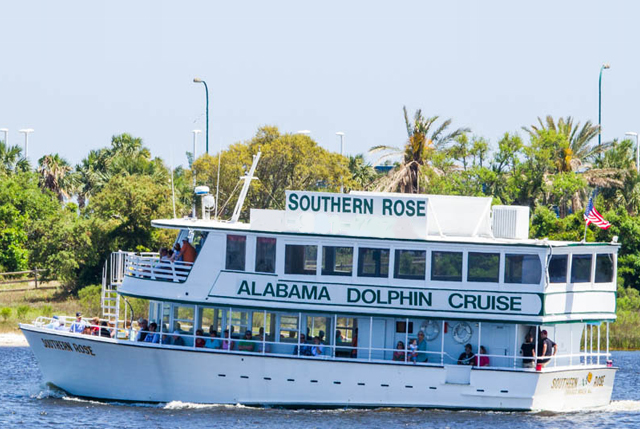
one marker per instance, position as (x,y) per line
(80,71)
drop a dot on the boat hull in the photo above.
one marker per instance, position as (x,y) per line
(121,370)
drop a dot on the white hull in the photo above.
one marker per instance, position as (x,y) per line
(121,370)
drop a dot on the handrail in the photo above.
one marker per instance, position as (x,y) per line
(154,268)
(274,348)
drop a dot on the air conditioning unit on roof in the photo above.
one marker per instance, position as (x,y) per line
(510,222)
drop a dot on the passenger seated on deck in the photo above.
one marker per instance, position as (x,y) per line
(187,252)
(246,345)
(176,253)
(142,333)
(546,347)
(104,331)
(200,341)
(482,359)
(399,355)
(305,350)
(87,331)
(422,348)
(260,338)
(316,349)
(528,350)
(413,351)
(95,326)
(78,325)
(467,357)
(152,336)
(176,339)
(227,344)
(213,342)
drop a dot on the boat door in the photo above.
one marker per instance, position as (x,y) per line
(378,337)
(498,340)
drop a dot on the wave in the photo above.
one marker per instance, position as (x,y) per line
(622,406)
(179,405)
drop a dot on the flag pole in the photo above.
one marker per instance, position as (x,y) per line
(584,239)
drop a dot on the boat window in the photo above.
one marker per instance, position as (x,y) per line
(266,255)
(236,248)
(199,237)
(337,261)
(183,318)
(346,332)
(604,268)
(401,327)
(289,328)
(165,317)
(522,269)
(483,267)
(300,259)
(373,262)
(239,323)
(410,264)
(319,326)
(558,269)
(446,266)
(211,319)
(581,268)
(258,324)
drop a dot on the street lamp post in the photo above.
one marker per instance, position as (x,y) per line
(26,132)
(6,136)
(604,67)
(206,89)
(341,134)
(193,171)
(634,134)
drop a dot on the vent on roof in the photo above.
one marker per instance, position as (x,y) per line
(511,222)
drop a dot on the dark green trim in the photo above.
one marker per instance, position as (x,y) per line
(580,291)
(158,224)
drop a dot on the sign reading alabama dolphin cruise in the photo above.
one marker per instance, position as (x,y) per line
(357,215)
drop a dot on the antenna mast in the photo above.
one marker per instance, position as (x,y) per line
(245,187)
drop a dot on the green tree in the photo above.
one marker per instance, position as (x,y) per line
(11,160)
(55,176)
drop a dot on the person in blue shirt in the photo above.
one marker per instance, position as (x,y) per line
(79,325)
(152,336)
(214,342)
(422,348)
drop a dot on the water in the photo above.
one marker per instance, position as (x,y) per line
(25,402)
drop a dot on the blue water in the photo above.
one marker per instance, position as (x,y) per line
(25,402)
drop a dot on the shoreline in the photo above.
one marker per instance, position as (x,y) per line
(11,339)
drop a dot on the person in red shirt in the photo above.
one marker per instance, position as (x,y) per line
(187,252)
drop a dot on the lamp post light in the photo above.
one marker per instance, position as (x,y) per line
(341,134)
(634,134)
(6,136)
(26,132)
(605,66)
(206,89)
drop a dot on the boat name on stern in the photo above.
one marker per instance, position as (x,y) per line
(69,347)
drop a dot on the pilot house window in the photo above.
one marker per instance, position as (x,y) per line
(446,266)
(300,259)
(484,267)
(604,268)
(581,268)
(337,261)
(236,248)
(373,262)
(410,264)
(266,255)
(558,269)
(522,269)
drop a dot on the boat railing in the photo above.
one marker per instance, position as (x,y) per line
(341,351)
(150,266)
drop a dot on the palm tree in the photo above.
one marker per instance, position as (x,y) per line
(362,173)
(417,151)
(92,175)
(579,150)
(11,160)
(54,175)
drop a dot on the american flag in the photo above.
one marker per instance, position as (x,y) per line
(591,215)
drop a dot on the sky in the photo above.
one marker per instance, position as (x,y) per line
(78,72)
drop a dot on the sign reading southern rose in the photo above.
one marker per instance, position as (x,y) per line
(261,288)
(358,215)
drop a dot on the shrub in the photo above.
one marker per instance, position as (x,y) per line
(89,297)
(5,312)
(46,310)
(22,311)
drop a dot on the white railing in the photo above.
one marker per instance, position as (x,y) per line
(154,268)
(162,338)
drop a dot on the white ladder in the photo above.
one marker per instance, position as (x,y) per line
(112,276)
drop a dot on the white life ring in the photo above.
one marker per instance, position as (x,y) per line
(462,332)
(431,329)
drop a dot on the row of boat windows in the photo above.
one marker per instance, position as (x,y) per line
(581,266)
(375,262)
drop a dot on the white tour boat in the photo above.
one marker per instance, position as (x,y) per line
(351,300)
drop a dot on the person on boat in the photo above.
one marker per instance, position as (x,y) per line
(316,349)
(104,330)
(546,347)
(305,350)
(354,345)
(200,341)
(422,348)
(227,344)
(262,338)
(399,354)
(187,252)
(176,339)
(482,359)
(152,336)
(142,333)
(78,325)
(247,345)
(321,336)
(213,342)
(176,256)
(467,357)
(95,326)
(528,350)
(413,351)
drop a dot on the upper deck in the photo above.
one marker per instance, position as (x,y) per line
(388,254)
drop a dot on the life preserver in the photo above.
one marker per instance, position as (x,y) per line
(462,332)
(431,329)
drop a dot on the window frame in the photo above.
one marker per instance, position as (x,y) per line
(441,278)
(378,263)
(396,265)
(244,259)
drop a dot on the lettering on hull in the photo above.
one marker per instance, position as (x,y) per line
(68,347)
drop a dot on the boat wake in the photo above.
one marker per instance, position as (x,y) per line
(179,405)
(622,406)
